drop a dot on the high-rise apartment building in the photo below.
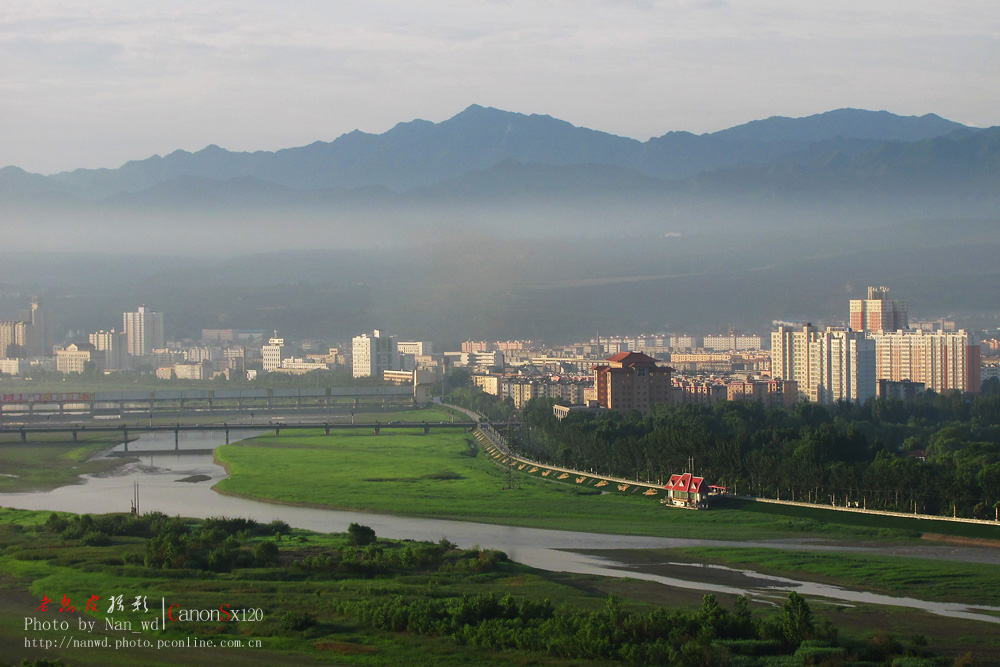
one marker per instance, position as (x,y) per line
(13,338)
(842,366)
(114,345)
(30,337)
(827,366)
(942,360)
(877,312)
(39,338)
(373,354)
(790,356)
(143,331)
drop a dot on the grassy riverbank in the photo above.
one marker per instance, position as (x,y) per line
(48,462)
(447,475)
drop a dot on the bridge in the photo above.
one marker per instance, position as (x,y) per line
(124,429)
(121,403)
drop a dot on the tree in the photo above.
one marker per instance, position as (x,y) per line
(796,622)
(360,536)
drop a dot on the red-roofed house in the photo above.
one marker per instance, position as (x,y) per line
(687,491)
(632,381)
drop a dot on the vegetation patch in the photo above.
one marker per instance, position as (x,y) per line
(42,464)
(387,602)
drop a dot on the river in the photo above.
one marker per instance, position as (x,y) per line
(160,470)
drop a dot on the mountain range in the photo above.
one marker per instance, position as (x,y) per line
(541,175)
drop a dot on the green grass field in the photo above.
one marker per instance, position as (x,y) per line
(447,475)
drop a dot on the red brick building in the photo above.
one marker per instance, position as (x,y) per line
(632,381)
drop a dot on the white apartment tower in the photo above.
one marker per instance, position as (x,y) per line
(843,366)
(114,345)
(828,366)
(372,354)
(790,357)
(271,353)
(143,331)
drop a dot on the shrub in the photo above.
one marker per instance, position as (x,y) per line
(297,620)
(360,536)
(95,538)
(265,553)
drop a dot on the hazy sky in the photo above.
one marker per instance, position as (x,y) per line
(93,84)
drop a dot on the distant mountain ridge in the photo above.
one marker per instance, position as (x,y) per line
(487,171)
(417,154)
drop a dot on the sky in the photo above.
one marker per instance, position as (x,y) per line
(97,83)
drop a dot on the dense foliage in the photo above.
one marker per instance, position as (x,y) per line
(218,544)
(315,588)
(938,454)
(711,635)
(473,398)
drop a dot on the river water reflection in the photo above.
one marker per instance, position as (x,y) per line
(160,469)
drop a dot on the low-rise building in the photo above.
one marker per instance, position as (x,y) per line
(182,371)
(76,357)
(686,490)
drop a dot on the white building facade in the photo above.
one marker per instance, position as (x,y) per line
(373,354)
